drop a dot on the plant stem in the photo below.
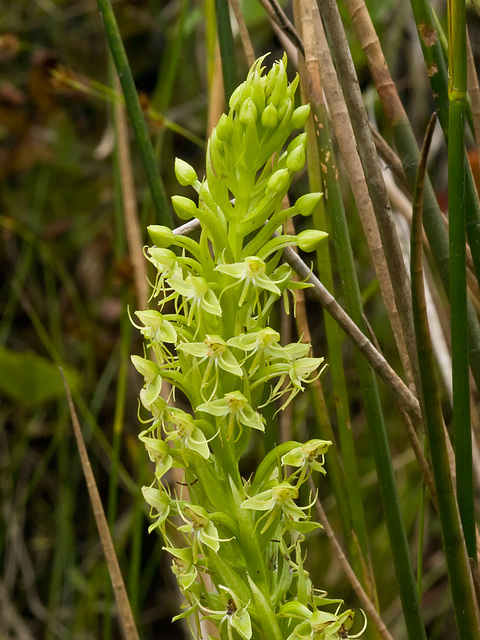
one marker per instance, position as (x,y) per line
(465,606)
(135,111)
(227,48)
(458,278)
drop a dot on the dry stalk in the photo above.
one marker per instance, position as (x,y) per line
(324,74)
(373,173)
(126,615)
(243,31)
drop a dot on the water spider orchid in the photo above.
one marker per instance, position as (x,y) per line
(235,408)
(235,615)
(214,335)
(214,350)
(252,272)
(280,498)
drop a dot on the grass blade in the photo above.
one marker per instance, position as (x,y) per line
(135,110)
(227,47)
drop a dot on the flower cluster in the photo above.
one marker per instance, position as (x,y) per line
(208,335)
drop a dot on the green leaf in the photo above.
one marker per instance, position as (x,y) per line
(29,379)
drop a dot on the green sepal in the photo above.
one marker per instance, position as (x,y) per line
(304,526)
(294,610)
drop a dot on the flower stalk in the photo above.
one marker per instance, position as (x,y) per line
(219,349)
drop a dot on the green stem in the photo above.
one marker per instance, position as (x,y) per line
(465,606)
(458,278)
(135,111)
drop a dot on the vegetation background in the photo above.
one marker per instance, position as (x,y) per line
(67,261)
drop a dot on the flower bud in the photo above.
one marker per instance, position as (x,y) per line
(280,85)
(248,112)
(234,98)
(185,173)
(279,181)
(269,117)
(306,204)
(300,116)
(258,93)
(161,236)
(283,108)
(296,158)
(310,239)
(224,128)
(185,208)
(299,140)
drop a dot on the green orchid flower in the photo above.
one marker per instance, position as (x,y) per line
(300,372)
(260,343)
(203,531)
(321,625)
(153,380)
(215,350)
(252,272)
(235,615)
(158,451)
(158,331)
(180,427)
(235,407)
(183,567)
(160,506)
(194,290)
(280,498)
(165,263)
(305,457)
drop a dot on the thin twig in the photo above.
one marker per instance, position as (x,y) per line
(276,13)
(405,397)
(243,31)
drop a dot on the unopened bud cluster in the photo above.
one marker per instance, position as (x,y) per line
(209,337)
